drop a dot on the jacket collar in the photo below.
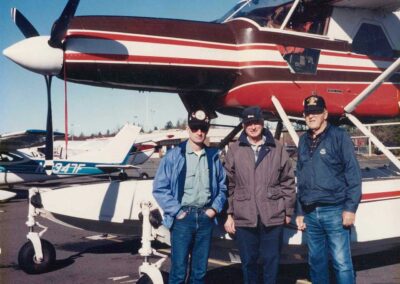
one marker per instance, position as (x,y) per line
(322,134)
(210,152)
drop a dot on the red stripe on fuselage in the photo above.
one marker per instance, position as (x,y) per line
(380,195)
(171,41)
(343,67)
(165,60)
(356,56)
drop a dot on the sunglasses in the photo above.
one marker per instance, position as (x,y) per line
(197,128)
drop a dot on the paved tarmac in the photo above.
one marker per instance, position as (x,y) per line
(81,260)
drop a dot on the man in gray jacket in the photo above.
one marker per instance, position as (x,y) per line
(261,195)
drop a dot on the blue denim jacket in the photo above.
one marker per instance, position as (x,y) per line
(168,185)
(331,174)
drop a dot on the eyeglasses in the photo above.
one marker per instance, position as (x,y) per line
(194,129)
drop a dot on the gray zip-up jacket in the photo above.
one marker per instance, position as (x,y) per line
(264,188)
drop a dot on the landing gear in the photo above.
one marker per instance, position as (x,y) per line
(145,279)
(30,263)
(149,272)
(37,255)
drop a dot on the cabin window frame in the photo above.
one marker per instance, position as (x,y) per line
(385,33)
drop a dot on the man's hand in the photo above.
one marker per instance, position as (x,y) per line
(300,223)
(348,218)
(210,213)
(230,225)
(288,219)
(181,215)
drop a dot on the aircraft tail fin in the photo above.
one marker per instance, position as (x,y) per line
(116,151)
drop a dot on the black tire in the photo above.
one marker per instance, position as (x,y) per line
(144,176)
(27,261)
(144,279)
(123,176)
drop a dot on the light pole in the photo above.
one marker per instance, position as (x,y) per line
(152,112)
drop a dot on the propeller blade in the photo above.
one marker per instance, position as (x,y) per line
(48,165)
(23,24)
(60,26)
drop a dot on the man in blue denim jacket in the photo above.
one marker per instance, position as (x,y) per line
(329,191)
(190,188)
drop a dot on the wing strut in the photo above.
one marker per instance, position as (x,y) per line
(285,120)
(373,86)
(361,97)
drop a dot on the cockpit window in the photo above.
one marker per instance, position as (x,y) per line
(256,10)
(307,17)
(9,157)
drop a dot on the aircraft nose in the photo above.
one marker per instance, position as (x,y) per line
(36,55)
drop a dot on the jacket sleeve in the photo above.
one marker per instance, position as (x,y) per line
(287,183)
(352,174)
(220,199)
(230,174)
(162,189)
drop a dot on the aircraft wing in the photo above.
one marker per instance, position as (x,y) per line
(114,168)
(386,5)
(24,139)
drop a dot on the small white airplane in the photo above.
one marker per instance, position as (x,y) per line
(128,208)
(18,167)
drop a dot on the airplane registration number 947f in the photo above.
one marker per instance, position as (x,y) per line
(64,168)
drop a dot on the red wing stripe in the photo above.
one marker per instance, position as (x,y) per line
(159,40)
(165,60)
(380,195)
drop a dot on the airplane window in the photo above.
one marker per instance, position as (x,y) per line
(300,60)
(256,10)
(371,40)
(311,18)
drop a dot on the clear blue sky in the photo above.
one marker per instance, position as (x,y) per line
(23,102)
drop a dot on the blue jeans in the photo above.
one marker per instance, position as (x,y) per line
(190,235)
(326,235)
(260,242)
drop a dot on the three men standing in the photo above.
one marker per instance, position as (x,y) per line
(329,191)
(190,188)
(261,196)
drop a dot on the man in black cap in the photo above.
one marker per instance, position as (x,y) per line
(261,196)
(328,191)
(190,188)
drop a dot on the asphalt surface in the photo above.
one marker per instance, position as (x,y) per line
(82,260)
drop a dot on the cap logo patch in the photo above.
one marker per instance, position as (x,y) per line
(323,151)
(312,101)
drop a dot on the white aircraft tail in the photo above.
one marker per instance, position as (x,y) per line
(116,151)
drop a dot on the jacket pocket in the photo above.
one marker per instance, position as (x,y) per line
(241,195)
(274,193)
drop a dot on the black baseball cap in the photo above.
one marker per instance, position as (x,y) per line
(314,104)
(252,114)
(198,118)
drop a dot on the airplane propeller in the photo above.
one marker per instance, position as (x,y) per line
(48,47)
(23,24)
(60,26)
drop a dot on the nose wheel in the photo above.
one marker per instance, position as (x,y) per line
(31,264)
